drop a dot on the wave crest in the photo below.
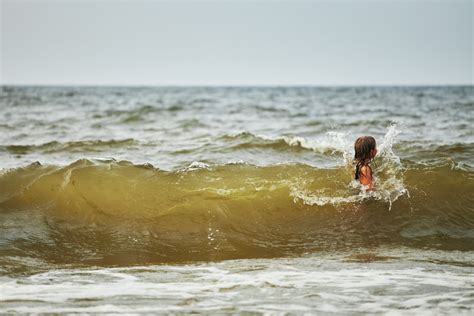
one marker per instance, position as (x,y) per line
(331,145)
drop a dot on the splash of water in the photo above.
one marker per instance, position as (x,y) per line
(388,173)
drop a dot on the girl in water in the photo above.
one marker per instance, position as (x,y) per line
(365,151)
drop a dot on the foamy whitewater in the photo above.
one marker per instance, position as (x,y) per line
(235,200)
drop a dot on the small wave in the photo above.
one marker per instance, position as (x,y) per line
(137,111)
(175,107)
(192,123)
(330,145)
(423,149)
(270,109)
(203,101)
(196,165)
(133,119)
(73,146)
(437,153)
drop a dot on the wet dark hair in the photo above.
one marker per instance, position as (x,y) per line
(363,147)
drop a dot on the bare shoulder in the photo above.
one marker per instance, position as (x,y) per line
(366,171)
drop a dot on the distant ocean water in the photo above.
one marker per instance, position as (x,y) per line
(214,199)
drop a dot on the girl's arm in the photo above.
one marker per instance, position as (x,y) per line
(366,177)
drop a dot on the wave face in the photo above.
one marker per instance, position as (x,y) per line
(109,212)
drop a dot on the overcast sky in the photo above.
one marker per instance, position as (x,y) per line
(236,42)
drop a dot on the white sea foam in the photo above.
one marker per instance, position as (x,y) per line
(196,165)
(335,142)
(320,284)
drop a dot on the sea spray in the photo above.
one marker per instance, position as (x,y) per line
(389,171)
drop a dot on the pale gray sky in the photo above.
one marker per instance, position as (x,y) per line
(355,42)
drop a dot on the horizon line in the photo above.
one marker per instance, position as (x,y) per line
(237,85)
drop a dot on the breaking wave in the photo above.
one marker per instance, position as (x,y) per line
(115,212)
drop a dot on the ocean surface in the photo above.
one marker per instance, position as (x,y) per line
(234,200)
